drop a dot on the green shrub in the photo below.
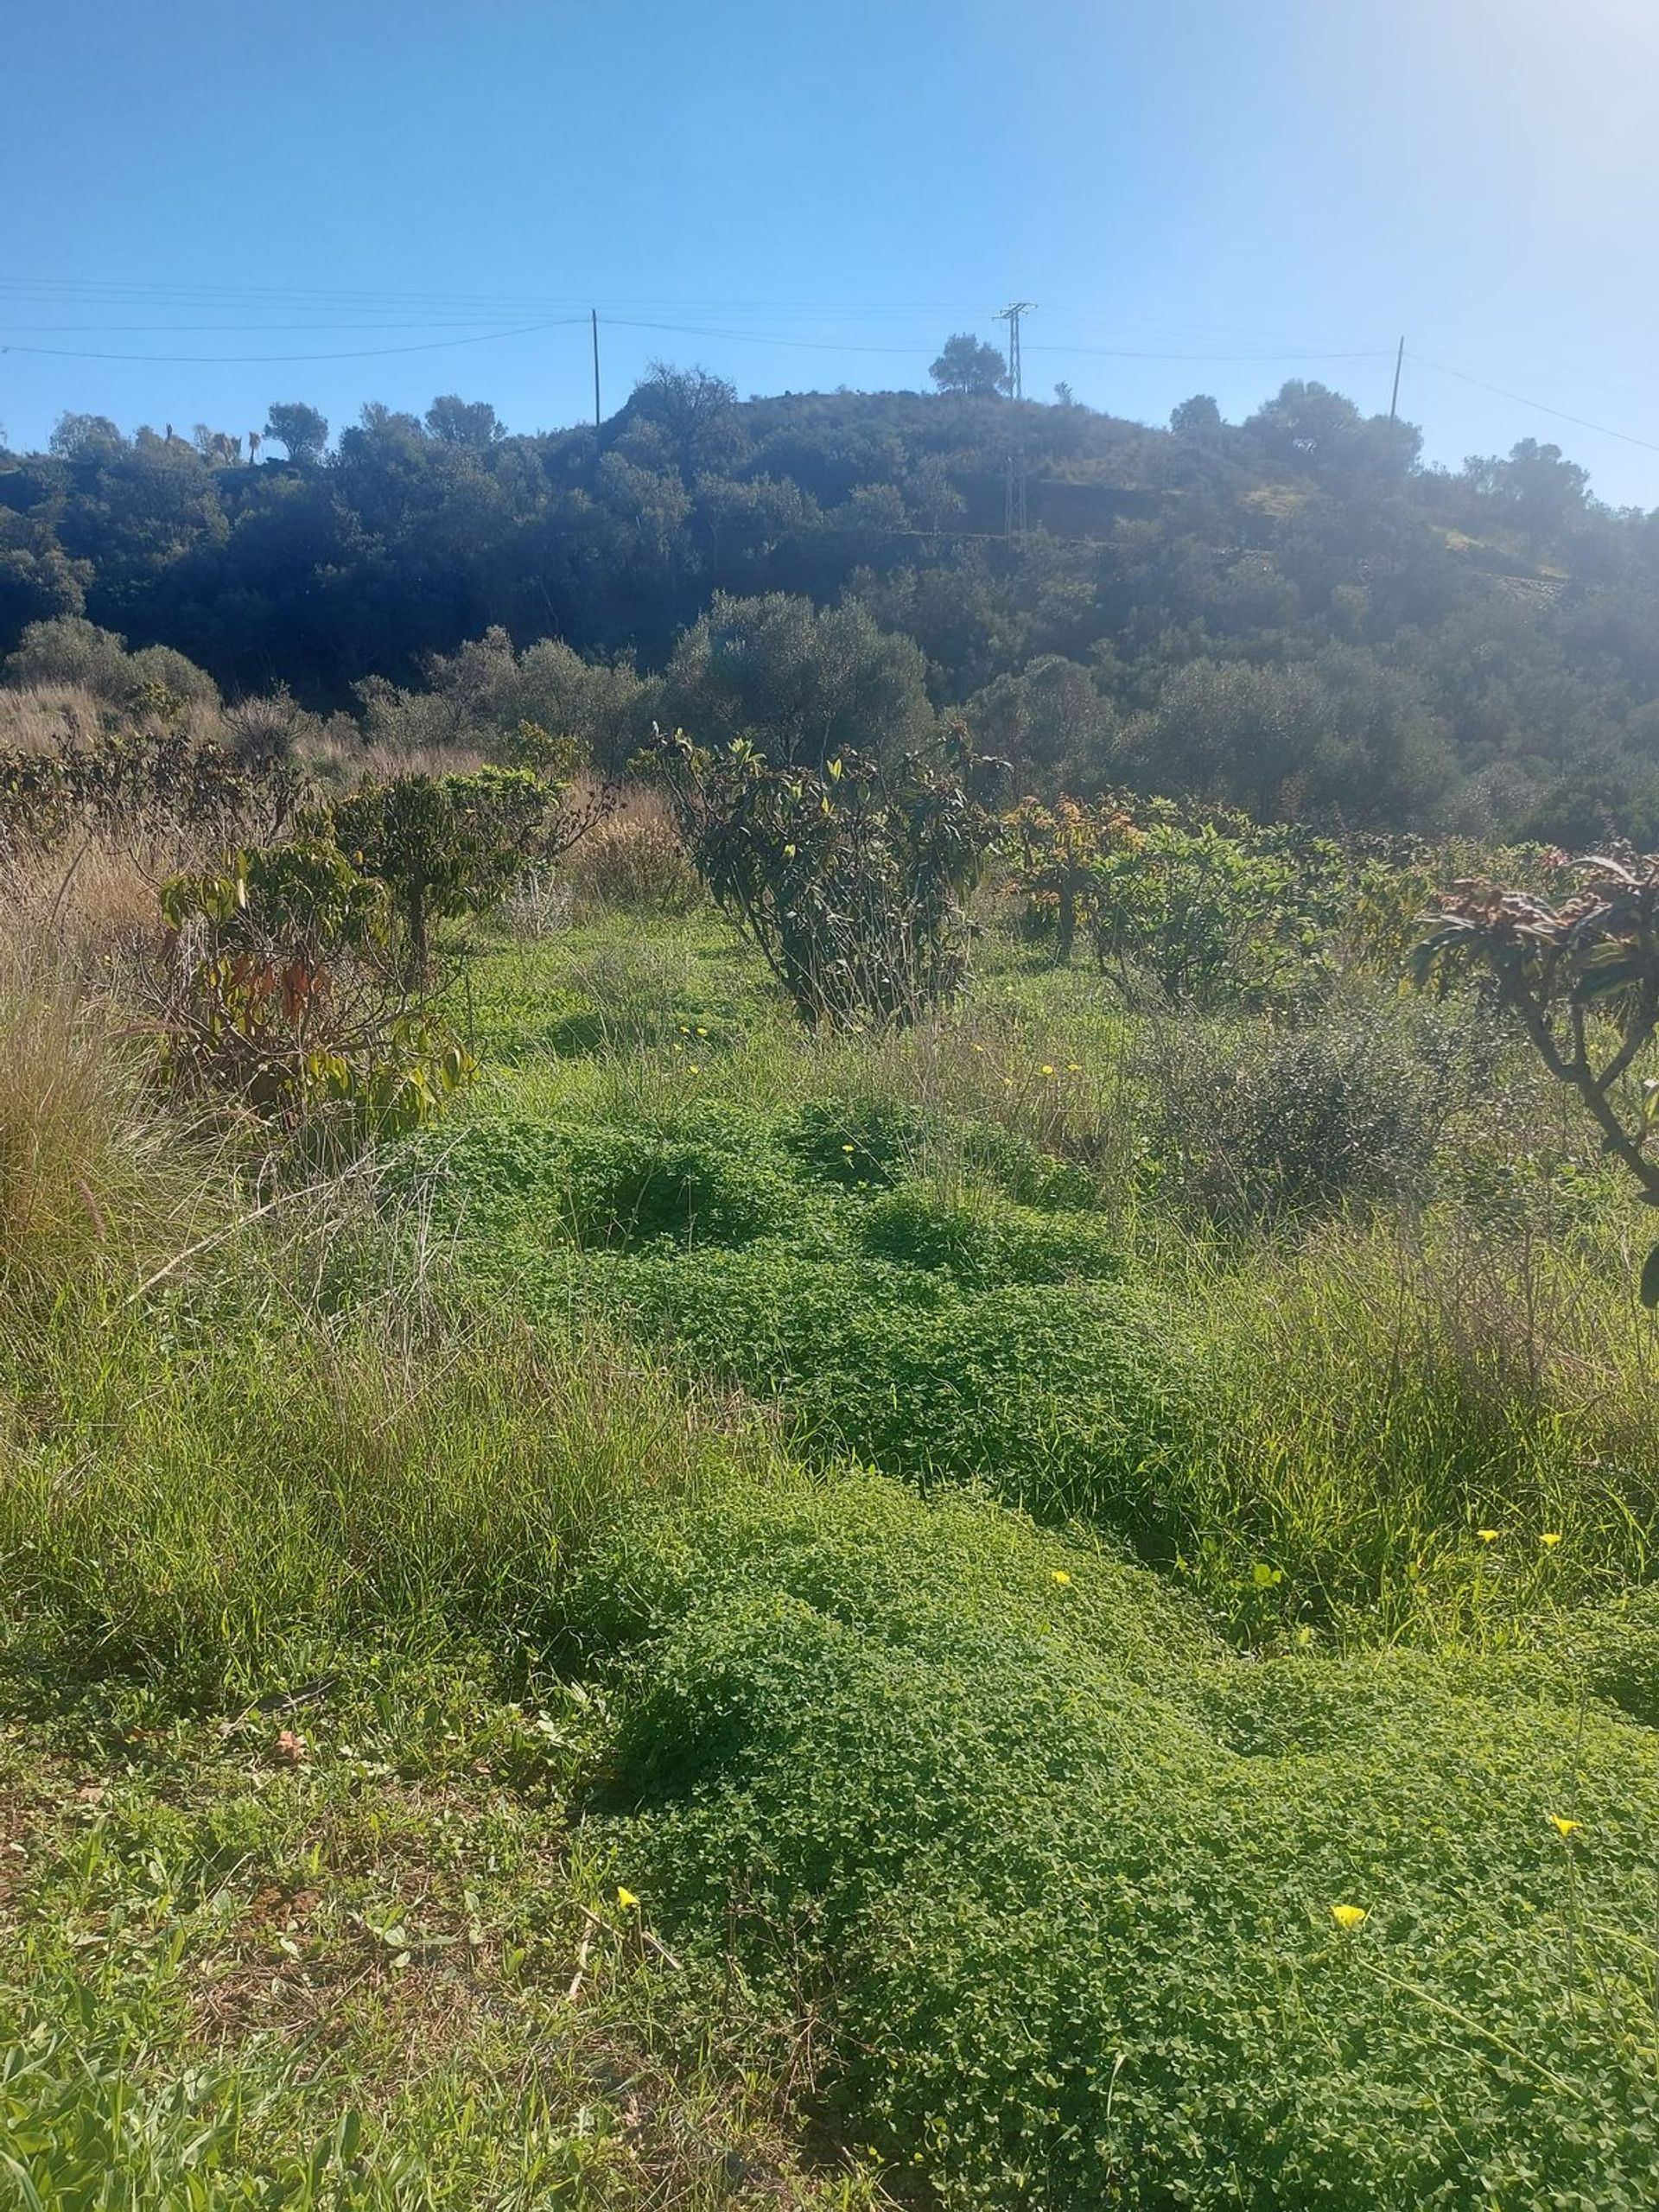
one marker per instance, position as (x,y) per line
(850,878)
(155,776)
(1577,973)
(1263,1125)
(448,845)
(1204,914)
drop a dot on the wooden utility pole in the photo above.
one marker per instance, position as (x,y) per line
(1394,398)
(594,312)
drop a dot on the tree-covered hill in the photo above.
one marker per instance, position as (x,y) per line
(1291,611)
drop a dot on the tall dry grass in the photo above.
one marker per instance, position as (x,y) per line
(631,860)
(48,717)
(97,1181)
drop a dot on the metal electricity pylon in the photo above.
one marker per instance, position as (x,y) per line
(1016,493)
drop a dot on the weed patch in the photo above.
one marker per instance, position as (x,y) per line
(1057,1908)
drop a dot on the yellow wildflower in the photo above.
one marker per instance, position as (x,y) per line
(1487,1535)
(625,1899)
(1046,1069)
(1348,1916)
(1062,1578)
(1551,1540)
(1563,1825)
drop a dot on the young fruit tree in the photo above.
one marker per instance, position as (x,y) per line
(1580,975)
(277,992)
(852,880)
(448,845)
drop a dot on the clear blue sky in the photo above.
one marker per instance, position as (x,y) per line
(1276,179)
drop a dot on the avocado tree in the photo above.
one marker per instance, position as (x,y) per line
(1579,975)
(448,845)
(277,993)
(1208,910)
(851,879)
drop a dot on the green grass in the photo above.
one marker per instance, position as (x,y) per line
(868,1502)
(333,1953)
(951,1253)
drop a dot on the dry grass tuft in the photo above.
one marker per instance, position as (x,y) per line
(94,1173)
(46,717)
(633,859)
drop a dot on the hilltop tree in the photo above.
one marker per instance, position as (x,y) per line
(967,364)
(1545,490)
(1198,417)
(218,449)
(300,428)
(86,437)
(694,410)
(1315,431)
(456,422)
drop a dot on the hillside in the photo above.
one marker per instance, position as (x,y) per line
(1289,612)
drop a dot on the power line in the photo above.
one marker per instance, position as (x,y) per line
(239,360)
(237,330)
(63,291)
(1604,429)
(439,311)
(1289,353)
(762,338)
(786,341)
(1205,340)
(1213,336)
